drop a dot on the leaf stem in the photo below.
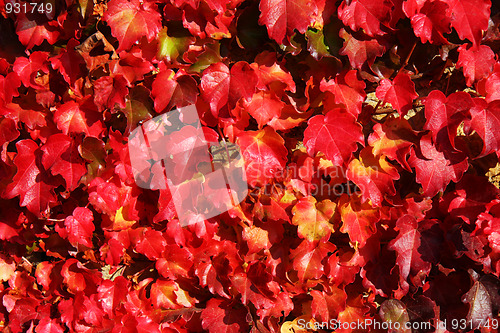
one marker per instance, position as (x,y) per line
(405,62)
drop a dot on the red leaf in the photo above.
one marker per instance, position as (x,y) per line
(444,115)
(243,82)
(360,51)
(175,262)
(308,259)
(486,122)
(132,66)
(110,92)
(471,195)
(207,274)
(130,20)
(313,218)
(264,107)
(167,294)
(416,246)
(223,317)
(31,182)
(477,62)
(355,312)
(35,34)
(8,130)
(112,294)
(28,69)
(215,84)
(47,325)
(256,286)
(61,158)
(481,299)
(269,72)
(491,86)
(358,219)
(335,134)
(373,175)
(264,154)
(282,17)
(365,14)
(327,305)
(80,227)
(393,139)
(469,18)
(166,207)
(78,278)
(400,92)
(431,22)
(173,90)
(412,7)
(8,89)
(435,168)
(73,118)
(348,90)
(151,244)
(220,86)
(69,62)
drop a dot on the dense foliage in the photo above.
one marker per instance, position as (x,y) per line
(371,134)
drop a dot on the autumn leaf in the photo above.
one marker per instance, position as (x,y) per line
(444,115)
(130,20)
(264,107)
(282,17)
(477,63)
(486,121)
(264,154)
(220,85)
(360,51)
(489,87)
(151,243)
(69,62)
(31,183)
(313,218)
(393,138)
(110,92)
(74,118)
(80,227)
(469,18)
(400,92)
(365,14)
(348,90)
(220,316)
(373,175)
(416,248)
(358,219)
(60,157)
(482,299)
(431,22)
(173,90)
(308,259)
(328,304)
(434,168)
(49,326)
(28,69)
(336,135)
(394,311)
